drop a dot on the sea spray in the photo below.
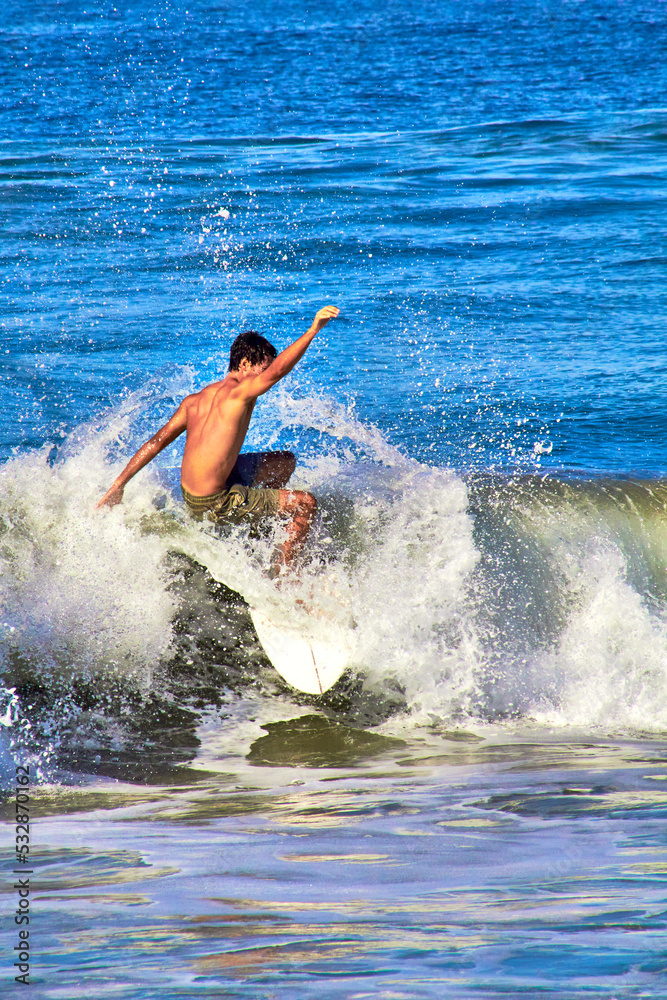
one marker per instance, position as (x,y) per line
(479,600)
(570,600)
(85,590)
(82,590)
(411,593)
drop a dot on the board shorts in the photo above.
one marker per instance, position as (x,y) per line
(239,501)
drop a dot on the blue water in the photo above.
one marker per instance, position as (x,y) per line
(480,187)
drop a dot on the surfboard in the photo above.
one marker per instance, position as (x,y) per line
(310,660)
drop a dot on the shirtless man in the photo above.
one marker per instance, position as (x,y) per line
(216,481)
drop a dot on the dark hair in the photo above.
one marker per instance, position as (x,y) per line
(250,346)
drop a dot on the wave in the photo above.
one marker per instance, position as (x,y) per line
(475,599)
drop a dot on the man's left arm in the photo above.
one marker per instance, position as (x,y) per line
(171,430)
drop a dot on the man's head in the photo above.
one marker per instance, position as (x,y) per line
(251,347)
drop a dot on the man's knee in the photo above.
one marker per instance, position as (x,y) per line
(288,459)
(298,503)
(308,505)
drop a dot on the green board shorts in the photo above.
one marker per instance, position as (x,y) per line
(240,501)
(233,506)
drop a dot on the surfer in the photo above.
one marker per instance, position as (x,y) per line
(218,483)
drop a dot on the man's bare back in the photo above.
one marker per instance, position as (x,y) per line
(216,422)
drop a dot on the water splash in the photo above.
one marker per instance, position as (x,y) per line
(479,600)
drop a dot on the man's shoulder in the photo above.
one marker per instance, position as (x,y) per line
(207,391)
(213,397)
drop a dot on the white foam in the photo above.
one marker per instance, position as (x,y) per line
(83,589)
(411,593)
(80,588)
(610,663)
(394,557)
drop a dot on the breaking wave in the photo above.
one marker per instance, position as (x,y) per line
(475,599)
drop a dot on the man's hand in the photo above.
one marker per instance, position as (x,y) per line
(112,496)
(323,316)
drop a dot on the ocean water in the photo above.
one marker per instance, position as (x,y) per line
(477,809)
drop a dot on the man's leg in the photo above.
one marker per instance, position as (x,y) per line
(263,469)
(301,508)
(274,469)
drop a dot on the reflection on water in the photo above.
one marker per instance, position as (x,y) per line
(320,860)
(313,741)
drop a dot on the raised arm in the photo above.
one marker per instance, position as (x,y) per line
(171,430)
(255,385)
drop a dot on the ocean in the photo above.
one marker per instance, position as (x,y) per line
(477,808)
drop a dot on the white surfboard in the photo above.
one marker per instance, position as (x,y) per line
(310,660)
